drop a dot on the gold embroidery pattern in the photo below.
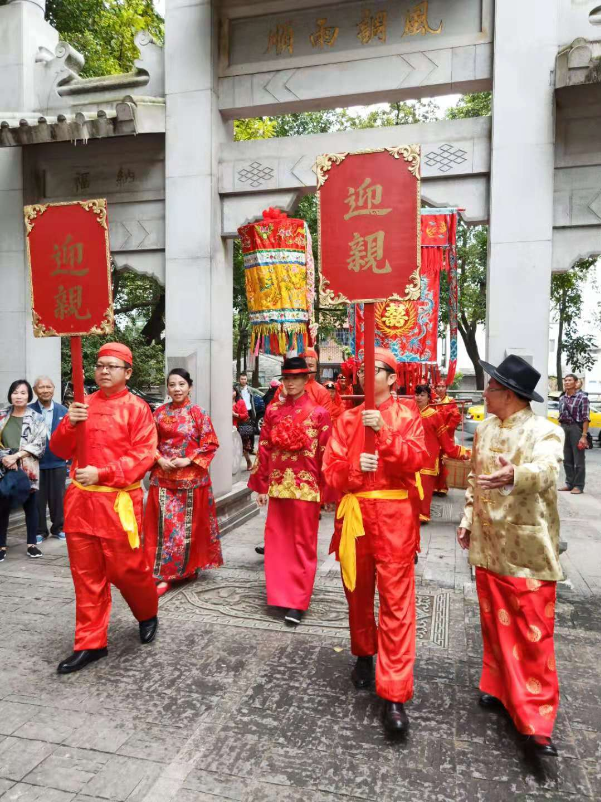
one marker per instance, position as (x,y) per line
(285,485)
(534,634)
(533,685)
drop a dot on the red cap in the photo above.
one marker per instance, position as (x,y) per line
(309,352)
(387,357)
(118,350)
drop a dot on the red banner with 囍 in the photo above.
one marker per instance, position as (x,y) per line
(70,268)
(369,225)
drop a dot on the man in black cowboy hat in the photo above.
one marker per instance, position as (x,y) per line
(511,528)
(287,474)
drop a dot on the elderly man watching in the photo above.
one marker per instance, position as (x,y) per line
(53,469)
(511,528)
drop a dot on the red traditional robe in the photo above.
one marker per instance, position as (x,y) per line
(391,539)
(293,480)
(438,441)
(121,443)
(181,535)
(451,417)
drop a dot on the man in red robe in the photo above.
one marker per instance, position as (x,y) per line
(438,441)
(448,411)
(103,506)
(287,473)
(377,536)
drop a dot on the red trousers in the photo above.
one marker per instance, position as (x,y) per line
(428,484)
(291,552)
(97,562)
(385,554)
(518,618)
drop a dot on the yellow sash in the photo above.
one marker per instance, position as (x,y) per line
(124,507)
(352,527)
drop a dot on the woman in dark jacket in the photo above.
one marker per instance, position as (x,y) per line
(22,445)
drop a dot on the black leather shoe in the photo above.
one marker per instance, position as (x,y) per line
(363,673)
(148,629)
(260,549)
(489,701)
(79,660)
(294,617)
(541,745)
(396,721)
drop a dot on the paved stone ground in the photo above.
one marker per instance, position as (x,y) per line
(229,704)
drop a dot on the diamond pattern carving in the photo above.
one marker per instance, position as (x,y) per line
(255,174)
(445,158)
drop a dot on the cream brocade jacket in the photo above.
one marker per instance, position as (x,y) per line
(515,530)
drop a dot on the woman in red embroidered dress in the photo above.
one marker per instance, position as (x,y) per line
(181,535)
(438,441)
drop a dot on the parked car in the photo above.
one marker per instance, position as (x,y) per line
(475,414)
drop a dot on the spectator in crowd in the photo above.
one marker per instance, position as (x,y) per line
(574,418)
(22,445)
(53,470)
(241,422)
(273,388)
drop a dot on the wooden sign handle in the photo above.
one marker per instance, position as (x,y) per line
(369,364)
(79,395)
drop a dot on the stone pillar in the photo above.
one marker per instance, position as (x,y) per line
(22,30)
(198,263)
(522,166)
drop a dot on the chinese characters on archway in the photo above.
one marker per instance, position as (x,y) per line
(69,260)
(371,26)
(369,210)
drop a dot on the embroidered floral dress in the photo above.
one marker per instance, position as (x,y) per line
(181,535)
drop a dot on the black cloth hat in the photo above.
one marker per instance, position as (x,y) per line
(517,375)
(295,366)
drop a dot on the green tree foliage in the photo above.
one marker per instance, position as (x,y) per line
(567,300)
(472,246)
(478,104)
(103,30)
(139,322)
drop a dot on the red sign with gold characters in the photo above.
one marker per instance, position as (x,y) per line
(369,224)
(70,268)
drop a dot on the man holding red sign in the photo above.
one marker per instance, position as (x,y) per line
(103,506)
(377,535)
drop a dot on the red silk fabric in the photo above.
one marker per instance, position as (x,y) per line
(121,441)
(518,667)
(438,441)
(97,562)
(387,550)
(290,552)
(394,638)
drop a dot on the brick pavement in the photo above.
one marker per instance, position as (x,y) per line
(229,704)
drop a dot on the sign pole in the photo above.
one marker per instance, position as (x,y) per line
(369,348)
(79,396)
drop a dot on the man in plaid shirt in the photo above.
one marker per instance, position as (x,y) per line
(574,417)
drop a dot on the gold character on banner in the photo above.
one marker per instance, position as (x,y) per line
(68,258)
(372,26)
(362,200)
(324,35)
(366,252)
(416,21)
(68,303)
(396,316)
(281,38)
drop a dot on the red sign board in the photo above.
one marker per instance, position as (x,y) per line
(70,268)
(369,224)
